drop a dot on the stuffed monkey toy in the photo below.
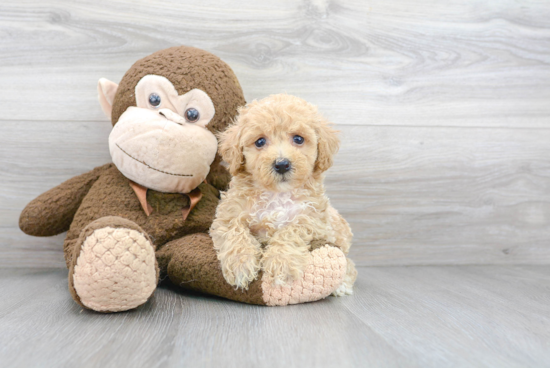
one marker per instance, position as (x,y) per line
(146,215)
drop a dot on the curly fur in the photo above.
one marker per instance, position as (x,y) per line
(266,220)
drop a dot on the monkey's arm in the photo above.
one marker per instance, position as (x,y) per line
(52,212)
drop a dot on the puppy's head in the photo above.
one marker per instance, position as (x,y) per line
(281,141)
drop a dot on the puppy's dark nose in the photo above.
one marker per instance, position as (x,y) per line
(281,165)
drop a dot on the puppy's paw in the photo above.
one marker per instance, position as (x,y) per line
(346,288)
(282,269)
(239,270)
(343,290)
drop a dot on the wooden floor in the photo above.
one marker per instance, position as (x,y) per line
(461,316)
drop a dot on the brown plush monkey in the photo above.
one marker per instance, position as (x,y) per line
(150,210)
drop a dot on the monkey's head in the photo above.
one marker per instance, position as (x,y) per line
(165,114)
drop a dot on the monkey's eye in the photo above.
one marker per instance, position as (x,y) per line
(192,115)
(298,139)
(260,142)
(154,99)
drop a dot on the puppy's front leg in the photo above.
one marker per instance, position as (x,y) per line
(238,250)
(285,257)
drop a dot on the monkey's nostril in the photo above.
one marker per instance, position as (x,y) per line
(281,165)
(172,116)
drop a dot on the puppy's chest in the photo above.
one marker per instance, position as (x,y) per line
(272,211)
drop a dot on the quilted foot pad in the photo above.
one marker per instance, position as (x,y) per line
(323,275)
(115,270)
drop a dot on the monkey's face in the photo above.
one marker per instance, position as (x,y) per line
(163,142)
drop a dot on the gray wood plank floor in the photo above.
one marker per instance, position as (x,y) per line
(453,316)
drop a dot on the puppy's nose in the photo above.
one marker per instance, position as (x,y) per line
(281,165)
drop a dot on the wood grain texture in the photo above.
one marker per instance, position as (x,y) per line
(444,110)
(460,63)
(461,316)
(445,195)
(412,195)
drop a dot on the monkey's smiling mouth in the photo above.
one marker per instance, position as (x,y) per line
(149,166)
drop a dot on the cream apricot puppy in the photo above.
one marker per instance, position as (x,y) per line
(277,152)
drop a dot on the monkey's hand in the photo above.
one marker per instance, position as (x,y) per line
(52,212)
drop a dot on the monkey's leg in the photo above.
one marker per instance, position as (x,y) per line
(191,262)
(113,266)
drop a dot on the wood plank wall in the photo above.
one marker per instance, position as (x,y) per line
(444,109)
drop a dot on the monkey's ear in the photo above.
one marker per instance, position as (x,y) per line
(106,91)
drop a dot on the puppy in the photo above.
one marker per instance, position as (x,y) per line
(277,152)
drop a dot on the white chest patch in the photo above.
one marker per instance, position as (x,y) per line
(277,209)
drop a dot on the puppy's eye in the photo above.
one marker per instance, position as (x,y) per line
(154,100)
(298,139)
(260,142)
(192,115)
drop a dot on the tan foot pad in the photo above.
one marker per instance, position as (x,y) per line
(324,274)
(115,270)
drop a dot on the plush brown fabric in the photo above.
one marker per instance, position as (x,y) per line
(103,196)
(187,68)
(111,195)
(318,243)
(52,212)
(191,263)
(218,176)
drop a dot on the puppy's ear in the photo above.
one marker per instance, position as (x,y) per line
(231,149)
(327,145)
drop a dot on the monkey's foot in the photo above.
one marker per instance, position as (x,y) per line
(347,286)
(114,267)
(323,275)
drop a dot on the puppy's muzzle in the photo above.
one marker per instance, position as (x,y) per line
(281,165)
